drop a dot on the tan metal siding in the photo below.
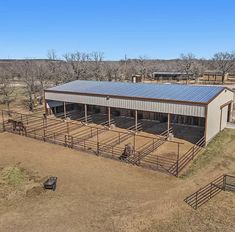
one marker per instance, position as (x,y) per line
(162,107)
(215,117)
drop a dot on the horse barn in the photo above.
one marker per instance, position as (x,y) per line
(192,111)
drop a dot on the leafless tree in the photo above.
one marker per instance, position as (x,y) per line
(187,65)
(142,66)
(97,65)
(128,68)
(224,62)
(112,71)
(28,77)
(7,88)
(56,73)
(42,78)
(79,64)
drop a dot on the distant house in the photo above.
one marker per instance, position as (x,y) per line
(214,75)
(171,76)
(231,76)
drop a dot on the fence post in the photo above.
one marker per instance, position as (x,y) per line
(27,119)
(67,127)
(210,190)
(98,149)
(71,141)
(3,123)
(196,199)
(177,163)
(193,152)
(44,134)
(65,140)
(119,138)
(177,168)
(224,182)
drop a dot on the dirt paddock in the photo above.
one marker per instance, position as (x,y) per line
(98,194)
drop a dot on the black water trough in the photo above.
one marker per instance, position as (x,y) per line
(50,183)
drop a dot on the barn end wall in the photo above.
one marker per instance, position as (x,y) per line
(217,116)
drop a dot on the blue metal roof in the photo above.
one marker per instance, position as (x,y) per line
(172,92)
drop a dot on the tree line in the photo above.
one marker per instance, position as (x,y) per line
(36,75)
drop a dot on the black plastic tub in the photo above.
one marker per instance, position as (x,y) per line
(50,183)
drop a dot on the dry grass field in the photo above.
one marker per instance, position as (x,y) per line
(98,194)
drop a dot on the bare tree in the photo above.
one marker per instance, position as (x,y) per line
(112,71)
(142,66)
(42,77)
(56,73)
(224,62)
(27,76)
(79,63)
(187,65)
(128,68)
(7,89)
(97,65)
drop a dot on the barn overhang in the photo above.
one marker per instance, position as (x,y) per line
(151,105)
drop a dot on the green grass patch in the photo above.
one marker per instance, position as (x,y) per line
(13,175)
(215,149)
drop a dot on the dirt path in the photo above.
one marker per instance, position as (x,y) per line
(93,194)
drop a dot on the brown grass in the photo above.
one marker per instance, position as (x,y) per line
(98,194)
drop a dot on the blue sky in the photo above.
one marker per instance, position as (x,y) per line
(152,28)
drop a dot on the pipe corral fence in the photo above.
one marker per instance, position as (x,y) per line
(224,182)
(127,146)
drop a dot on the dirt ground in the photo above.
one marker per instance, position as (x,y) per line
(98,194)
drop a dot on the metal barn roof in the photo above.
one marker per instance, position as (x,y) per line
(171,92)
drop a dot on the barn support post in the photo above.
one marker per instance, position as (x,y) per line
(168,123)
(65,110)
(85,113)
(134,142)
(136,121)
(109,116)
